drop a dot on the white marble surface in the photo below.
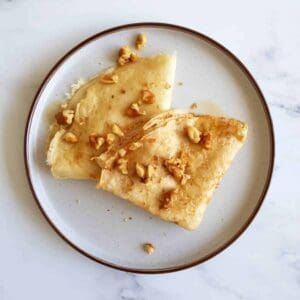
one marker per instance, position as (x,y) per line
(263,264)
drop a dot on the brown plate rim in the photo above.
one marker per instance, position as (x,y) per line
(250,78)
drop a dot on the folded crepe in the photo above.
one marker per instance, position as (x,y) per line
(104,110)
(172,166)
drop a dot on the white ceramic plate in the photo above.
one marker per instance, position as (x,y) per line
(93,221)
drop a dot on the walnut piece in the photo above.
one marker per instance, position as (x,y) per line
(149,248)
(150,171)
(134,110)
(148,97)
(65,117)
(70,137)
(64,105)
(194,134)
(126,55)
(133,57)
(110,138)
(185,178)
(96,141)
(109,78)
(206,140)
(134,146)
(176,167)
(140,41)
(122,152)
(140,170)
(125,52)
(168,199)
(117,130)
(104,161)
(122,165)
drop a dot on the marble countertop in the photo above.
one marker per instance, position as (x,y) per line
(35,263)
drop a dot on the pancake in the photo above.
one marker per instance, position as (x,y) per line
(105,109)
(172,166)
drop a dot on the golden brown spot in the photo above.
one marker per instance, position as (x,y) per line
(168,199)
(70,137)
(206,140)
(96,140)
(148,97)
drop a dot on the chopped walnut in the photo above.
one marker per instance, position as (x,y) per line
(122,61)
(149,248)
(122,152)
(133,57)
(65,117)
(176,167)
(134,146)
(109,78)
(125,52)
(117,130)
(110,138)
(126,55)
(194,134)
(168,199)
(70,137)
(150,171)
(104,161)
(148,97)
(140,170)
(134,110)
(122,165)
(206,140)
(96,141)
(185,178)
(140,41)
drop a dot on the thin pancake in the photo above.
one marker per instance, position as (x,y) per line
(185,173)
(99,105)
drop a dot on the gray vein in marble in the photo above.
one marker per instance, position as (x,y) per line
(217,285)
(291,110)
(133,290)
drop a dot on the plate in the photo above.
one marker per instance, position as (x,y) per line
(112,231)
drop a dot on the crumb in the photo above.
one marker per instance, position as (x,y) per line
(180,83)
(125,219)
(150,218)
(77,201)
(164,234)
(149,248)
(194,105)
(112,96)
(108,210)
(122,91)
